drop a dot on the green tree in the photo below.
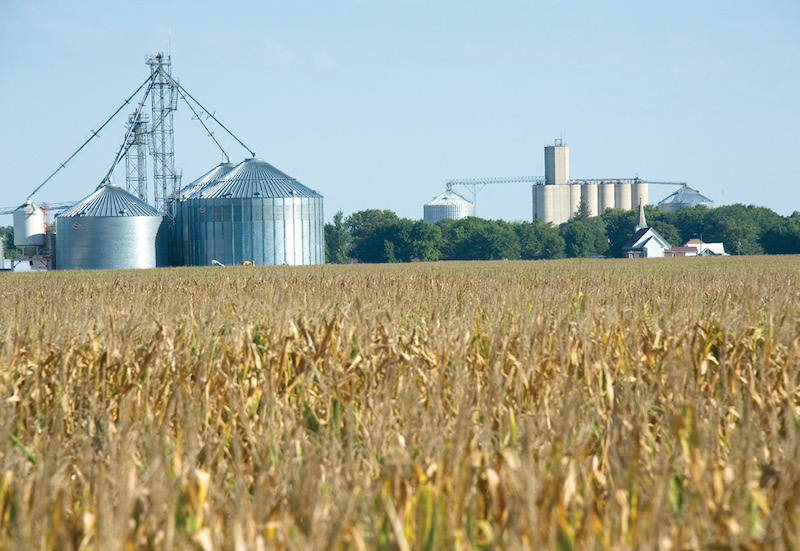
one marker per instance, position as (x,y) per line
(735,227)
(579,238)
(538,240)
(380,236)
(620,225)
(583,210)
(584,236)
(388,251)
(425,241)
(478,239)
(783,238)
(600,243)
(447,227)
(369,230)
(690,222)
(337,241)
(552,243)
(7,234)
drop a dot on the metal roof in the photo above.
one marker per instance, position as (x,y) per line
(447,198)
(687,196)
(254,178)
(110,200)
(213,174)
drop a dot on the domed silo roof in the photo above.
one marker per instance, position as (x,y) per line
(447,205)
(255,178)
(685,197)
(112,229)
(256,213)
(211,176)
(109,200)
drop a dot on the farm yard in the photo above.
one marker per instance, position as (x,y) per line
(571,404)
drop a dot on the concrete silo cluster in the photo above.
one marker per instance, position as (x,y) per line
(558,198)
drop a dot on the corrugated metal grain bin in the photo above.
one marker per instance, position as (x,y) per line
(179,238)
(110,229)
(447,205)
(685,197)
(255,213)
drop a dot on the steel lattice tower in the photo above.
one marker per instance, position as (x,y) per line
(136,156)
(164,100)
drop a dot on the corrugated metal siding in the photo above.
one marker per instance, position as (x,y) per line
(110,242)
(263,231)
(179,235)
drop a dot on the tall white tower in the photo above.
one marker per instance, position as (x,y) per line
(555,201)
(556,164)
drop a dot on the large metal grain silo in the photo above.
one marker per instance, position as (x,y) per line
(685,197)
(180,239)
(258,214)
(110,229)
(447,205)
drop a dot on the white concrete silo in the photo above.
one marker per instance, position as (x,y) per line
(623,195)
(589,196)
(606,197)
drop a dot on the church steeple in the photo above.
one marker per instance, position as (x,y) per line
(641,223)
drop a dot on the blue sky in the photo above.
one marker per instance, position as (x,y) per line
(376,104)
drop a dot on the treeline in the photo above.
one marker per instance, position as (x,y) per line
(378,236)
(7,235)
(381,236)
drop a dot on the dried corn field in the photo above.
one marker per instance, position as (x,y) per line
(529,405)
